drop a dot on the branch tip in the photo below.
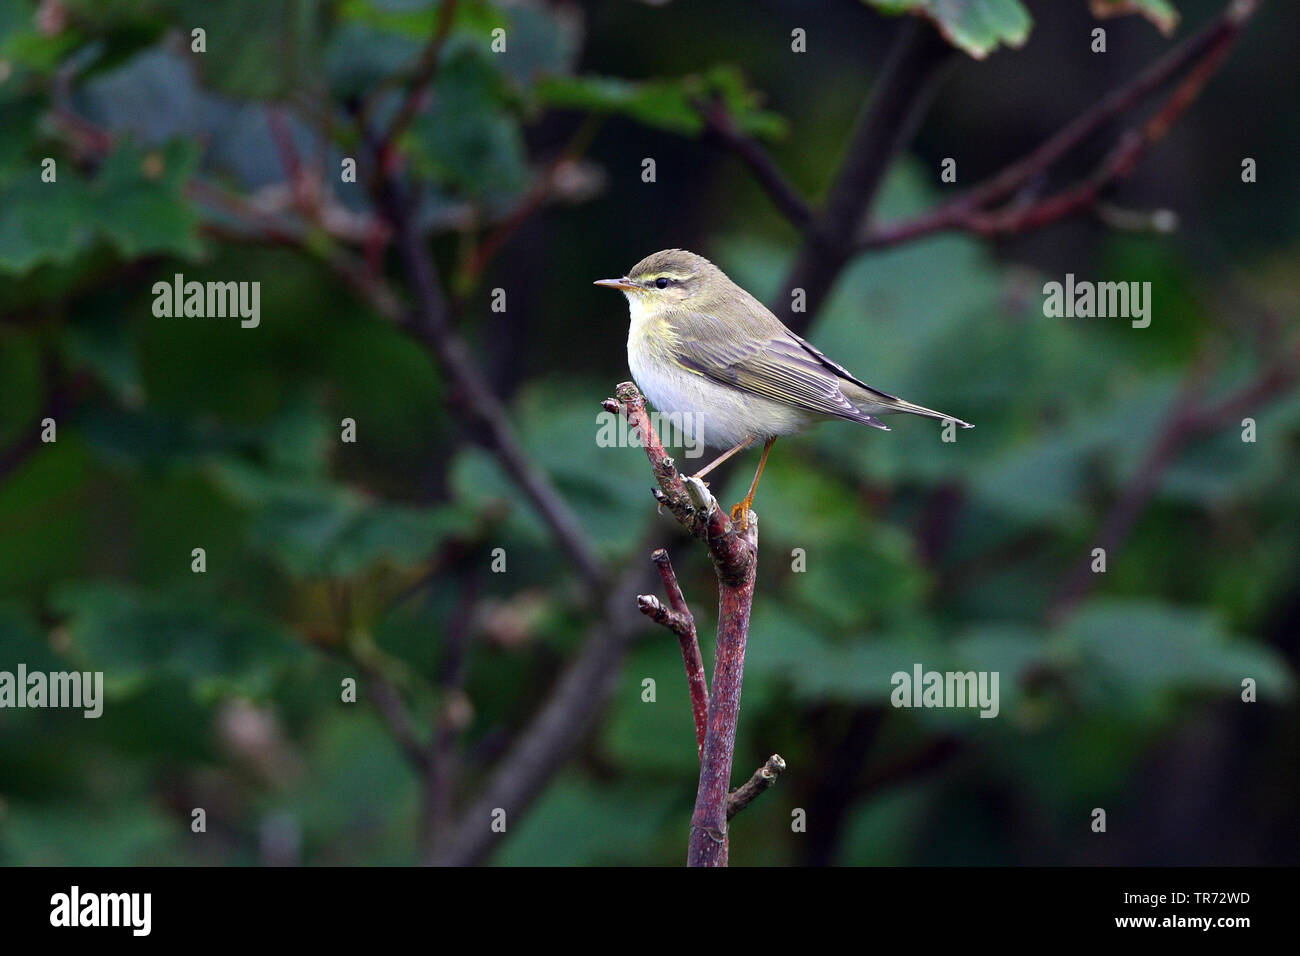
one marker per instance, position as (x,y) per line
(763,779)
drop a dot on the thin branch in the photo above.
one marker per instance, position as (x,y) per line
(257,226)
(1205,49)
(661,614)
(680,621)
(688,499)
(391,706)
(426,69)
(542,189)
(554,732)
(57,402)
(763,779)
(899,98)
(429,323)
(735,560)
(1188,420)
(721,128)
(296,175)
(932,755)
(454,712)
(708,844)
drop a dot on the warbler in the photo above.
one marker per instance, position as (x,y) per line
(702,348)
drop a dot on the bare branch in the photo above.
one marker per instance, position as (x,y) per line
(735,560)
(554,732)
(763,779)
(454,714)
(429,323)
(1188,420)
(653,608)
(426,69)
(681,622)
(719,126)
(702,517)
(899,98)
(1203,52)
(391,706)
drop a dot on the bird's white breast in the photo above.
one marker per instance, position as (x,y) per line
(703,410)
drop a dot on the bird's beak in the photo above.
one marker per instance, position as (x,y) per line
(623,283)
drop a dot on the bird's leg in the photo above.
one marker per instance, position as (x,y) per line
(742,508)
(723,457)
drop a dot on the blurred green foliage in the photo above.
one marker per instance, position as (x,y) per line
(325,559)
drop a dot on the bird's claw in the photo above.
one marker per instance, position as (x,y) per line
(740,515)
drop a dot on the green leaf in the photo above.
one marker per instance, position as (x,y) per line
(977,26)
(42,222)
(358,56)
(256,49)
(1143,646)
(1159,12)
(135,203)
(21,641)
(109,352)
(469,141)
(578,823)
(782,645)
(1036,482)
(568,435)
(661,104)
(658,735)
(318,529)
(665,104)
(358,797)
(132,635)
(83,834)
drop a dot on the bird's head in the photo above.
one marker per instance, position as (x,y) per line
(671,278)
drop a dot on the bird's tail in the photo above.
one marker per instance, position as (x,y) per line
(873,402)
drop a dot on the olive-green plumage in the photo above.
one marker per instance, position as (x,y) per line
(700,344)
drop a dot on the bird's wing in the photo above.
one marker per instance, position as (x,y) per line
(839,370)
(780,366)
(880,400)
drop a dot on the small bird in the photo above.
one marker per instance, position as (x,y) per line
(703,348)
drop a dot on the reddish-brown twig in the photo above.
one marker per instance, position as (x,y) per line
(734,556)
(763,779)
(719,126)
(1189,419)
(677,618)
(426,68)
(1203,53)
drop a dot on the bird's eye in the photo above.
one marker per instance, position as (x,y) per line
(661,283)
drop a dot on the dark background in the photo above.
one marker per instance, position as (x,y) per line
(372,560)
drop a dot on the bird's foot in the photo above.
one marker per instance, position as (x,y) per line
(740,514)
